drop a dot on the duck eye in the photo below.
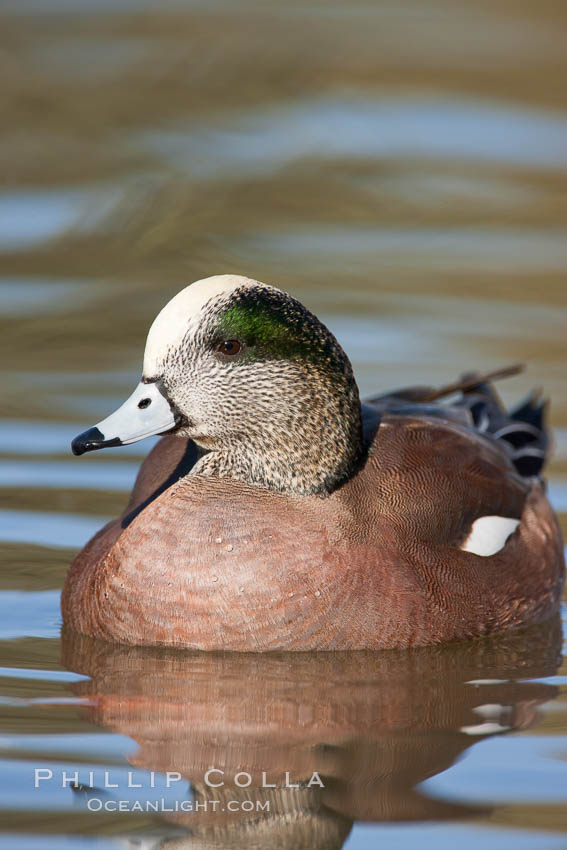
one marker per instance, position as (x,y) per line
(230,347)
(145,402)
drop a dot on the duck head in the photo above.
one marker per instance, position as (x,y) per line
(254,378)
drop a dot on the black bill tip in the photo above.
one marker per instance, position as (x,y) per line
(91,440)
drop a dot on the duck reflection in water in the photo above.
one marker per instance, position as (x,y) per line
(372,725)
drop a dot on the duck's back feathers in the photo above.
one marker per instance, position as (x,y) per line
(521,431)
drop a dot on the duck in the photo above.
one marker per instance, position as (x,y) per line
(278,512)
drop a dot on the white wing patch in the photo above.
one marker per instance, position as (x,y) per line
(488,535)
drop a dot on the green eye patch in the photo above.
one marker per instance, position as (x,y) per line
(273,326)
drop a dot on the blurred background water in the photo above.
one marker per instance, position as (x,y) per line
(402,169)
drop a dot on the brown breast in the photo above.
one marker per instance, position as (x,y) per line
(217,564)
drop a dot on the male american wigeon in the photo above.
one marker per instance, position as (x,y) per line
(283,514)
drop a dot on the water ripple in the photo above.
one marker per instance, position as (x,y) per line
(29,614)
(105,476)
(69,531)
(261,141)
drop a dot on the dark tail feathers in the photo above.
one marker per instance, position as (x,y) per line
(522,430)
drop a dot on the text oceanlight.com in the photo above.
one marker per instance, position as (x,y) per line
(96,804)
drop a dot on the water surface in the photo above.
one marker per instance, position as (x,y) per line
(400,168)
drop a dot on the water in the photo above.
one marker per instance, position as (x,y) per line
(402,169)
